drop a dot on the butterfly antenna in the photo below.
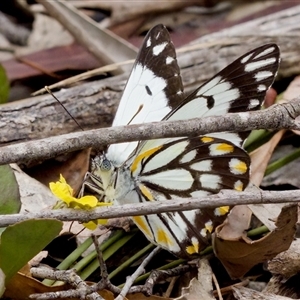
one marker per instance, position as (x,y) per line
(49,91)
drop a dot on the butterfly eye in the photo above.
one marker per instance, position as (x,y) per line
(105,165)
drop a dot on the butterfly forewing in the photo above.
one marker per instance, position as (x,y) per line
(153,89)
(239,87)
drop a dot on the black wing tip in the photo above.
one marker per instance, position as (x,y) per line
(275,53)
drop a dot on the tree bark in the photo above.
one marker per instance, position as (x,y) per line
(93,104)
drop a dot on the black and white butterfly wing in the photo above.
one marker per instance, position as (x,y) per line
(184,168)
(153,89)
(239,87)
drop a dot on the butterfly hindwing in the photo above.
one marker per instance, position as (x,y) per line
(184,168)
(189,166)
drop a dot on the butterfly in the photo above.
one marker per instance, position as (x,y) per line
(167,168)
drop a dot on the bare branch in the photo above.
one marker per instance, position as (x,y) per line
(276,117)
(225,197)
(81,289)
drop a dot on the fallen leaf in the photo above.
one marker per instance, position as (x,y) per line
(236,223)
(201,286)
(239,255)
(34,195)
(261,156)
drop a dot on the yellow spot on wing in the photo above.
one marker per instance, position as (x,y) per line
(194,248)
(140,157)
(226,148)
(141,223)
(206,139)
(146,193)
(221,211)
(241,167)
(209,226)
(238,186)
(163,238)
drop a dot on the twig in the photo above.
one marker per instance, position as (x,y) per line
(276,117)
(102,264)
(104,283)
(214,278)
(82,290)
(140,270)
(161,275)
(170,288)
(225,197)
(228,289)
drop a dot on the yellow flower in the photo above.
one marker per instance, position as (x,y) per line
(65,193)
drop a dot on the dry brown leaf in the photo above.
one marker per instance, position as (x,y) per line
(34,195)
(242,293)
(293,89)
(259,162)
(72,166)
(239,255)
(261,156)
(201,286)
(236,223)
(267,213)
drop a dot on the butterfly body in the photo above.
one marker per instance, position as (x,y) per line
(168,168)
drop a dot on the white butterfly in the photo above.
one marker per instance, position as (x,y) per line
(162,169)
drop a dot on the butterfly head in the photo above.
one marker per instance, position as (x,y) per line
(105,172)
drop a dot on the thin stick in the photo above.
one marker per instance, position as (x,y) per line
(223,198)
(217,286)
(140,270)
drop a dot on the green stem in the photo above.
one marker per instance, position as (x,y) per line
(106,254)
(130,261)
(282,162)
(69,260)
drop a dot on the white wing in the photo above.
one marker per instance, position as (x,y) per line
(153,89)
